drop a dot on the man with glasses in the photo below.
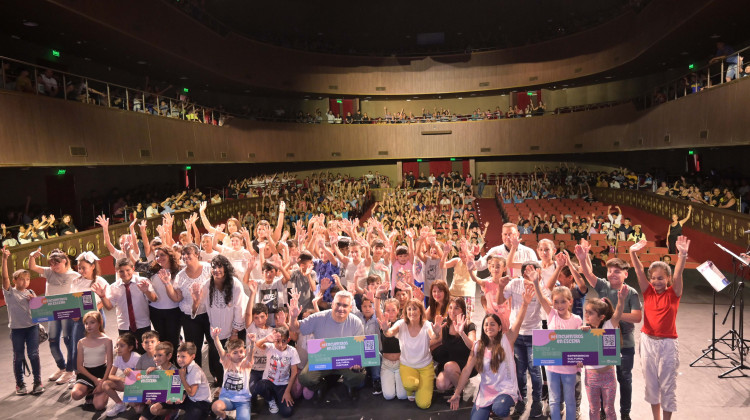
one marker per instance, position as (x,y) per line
(333,323)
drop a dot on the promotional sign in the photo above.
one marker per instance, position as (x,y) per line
(568,347)
(344,352)
(157,386)
(56,307)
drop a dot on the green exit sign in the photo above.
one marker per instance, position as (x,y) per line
(187,168)
(339,101)
(692,66)
(55,53)
(186,90)
(61,171)
(453,159)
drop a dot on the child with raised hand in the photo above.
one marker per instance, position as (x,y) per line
(235,391)
(492,357)
(197,403)
(601,381)
(492,288)
(280,373)
(127,358)
(561,379)
(390,375)
(23,332)
(161,361)
(94,362)
(660,358)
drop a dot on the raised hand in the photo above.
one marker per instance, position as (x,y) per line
(325,283)
(99,289)
(439,322)
(586,246)
(143,285)
(102,221)
(528,294)
(562,259)
(280,318)
(638,246)
(215,332)
(164,276)
(294,309)
(203,206)
(36,253)
(143,225)
(384,324)
(622,294)
(682,244)
(460,322)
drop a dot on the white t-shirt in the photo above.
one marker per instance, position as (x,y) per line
(120,364)
(259,355)
(183,282)
(208,256)
(504,381)
(58,284)
(523,254)
(279,366)
(225,315)
(533,320)
(415,351)
(160,288)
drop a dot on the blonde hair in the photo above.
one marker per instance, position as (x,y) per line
(562,291)
(97,317)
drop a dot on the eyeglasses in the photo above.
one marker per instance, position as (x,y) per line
(54,261)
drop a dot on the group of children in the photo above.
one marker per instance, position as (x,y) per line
(244,297)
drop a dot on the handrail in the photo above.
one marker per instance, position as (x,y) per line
(691,82)
(136,103)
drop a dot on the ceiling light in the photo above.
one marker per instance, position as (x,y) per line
(141,62)
(30,24)
(87,58)
(15,37)
(684,53)
(607,77)
(408,100)
(183,77)
(715,36)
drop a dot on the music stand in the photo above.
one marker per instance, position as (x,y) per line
(742,346)
(718,282)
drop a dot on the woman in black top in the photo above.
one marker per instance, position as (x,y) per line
(454,345)
(66,226)
(675,230)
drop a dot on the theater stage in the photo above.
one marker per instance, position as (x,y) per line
(701,395)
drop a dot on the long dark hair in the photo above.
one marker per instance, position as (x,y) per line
(432,303)
(222,261)
(460,303)
(174,261)
(498,354)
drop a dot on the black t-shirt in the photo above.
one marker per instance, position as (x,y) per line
(453,349)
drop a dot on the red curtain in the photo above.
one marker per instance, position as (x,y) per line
(340,109)
(438,166)
(466,168)
(410,166)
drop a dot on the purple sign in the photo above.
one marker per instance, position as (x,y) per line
(344,362)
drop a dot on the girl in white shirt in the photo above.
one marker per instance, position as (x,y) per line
(414,333)
(59,278)
(126,358)
(492,357)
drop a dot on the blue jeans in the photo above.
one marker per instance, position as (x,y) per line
(500,406)
(28,338)
(562,388)
(625,378)
(524,359)
(480,189)
(272,392)
(62,328)
(241,409)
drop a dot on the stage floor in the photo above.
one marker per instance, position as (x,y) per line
(701,394)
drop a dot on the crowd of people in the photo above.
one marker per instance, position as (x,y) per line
(256,295)
(154,100)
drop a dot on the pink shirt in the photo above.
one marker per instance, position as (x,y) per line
(554,322)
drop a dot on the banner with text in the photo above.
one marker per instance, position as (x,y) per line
(568,347)
(344,352)
(57,307)
(157,386)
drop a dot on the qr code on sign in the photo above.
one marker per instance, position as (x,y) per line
(369,345)
(608,340)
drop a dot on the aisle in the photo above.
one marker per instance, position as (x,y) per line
(487,211)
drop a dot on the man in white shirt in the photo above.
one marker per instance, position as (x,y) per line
(523,254)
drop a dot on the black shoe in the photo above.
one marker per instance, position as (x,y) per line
(602,415)
(625,416)
(537,410)
(320,394)
(376,387)
(520,408)
(353,394)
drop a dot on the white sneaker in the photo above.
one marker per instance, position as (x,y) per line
(55,376)
(116,409)
(65,378)
(272,407)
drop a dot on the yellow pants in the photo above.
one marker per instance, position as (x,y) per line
(420,383)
